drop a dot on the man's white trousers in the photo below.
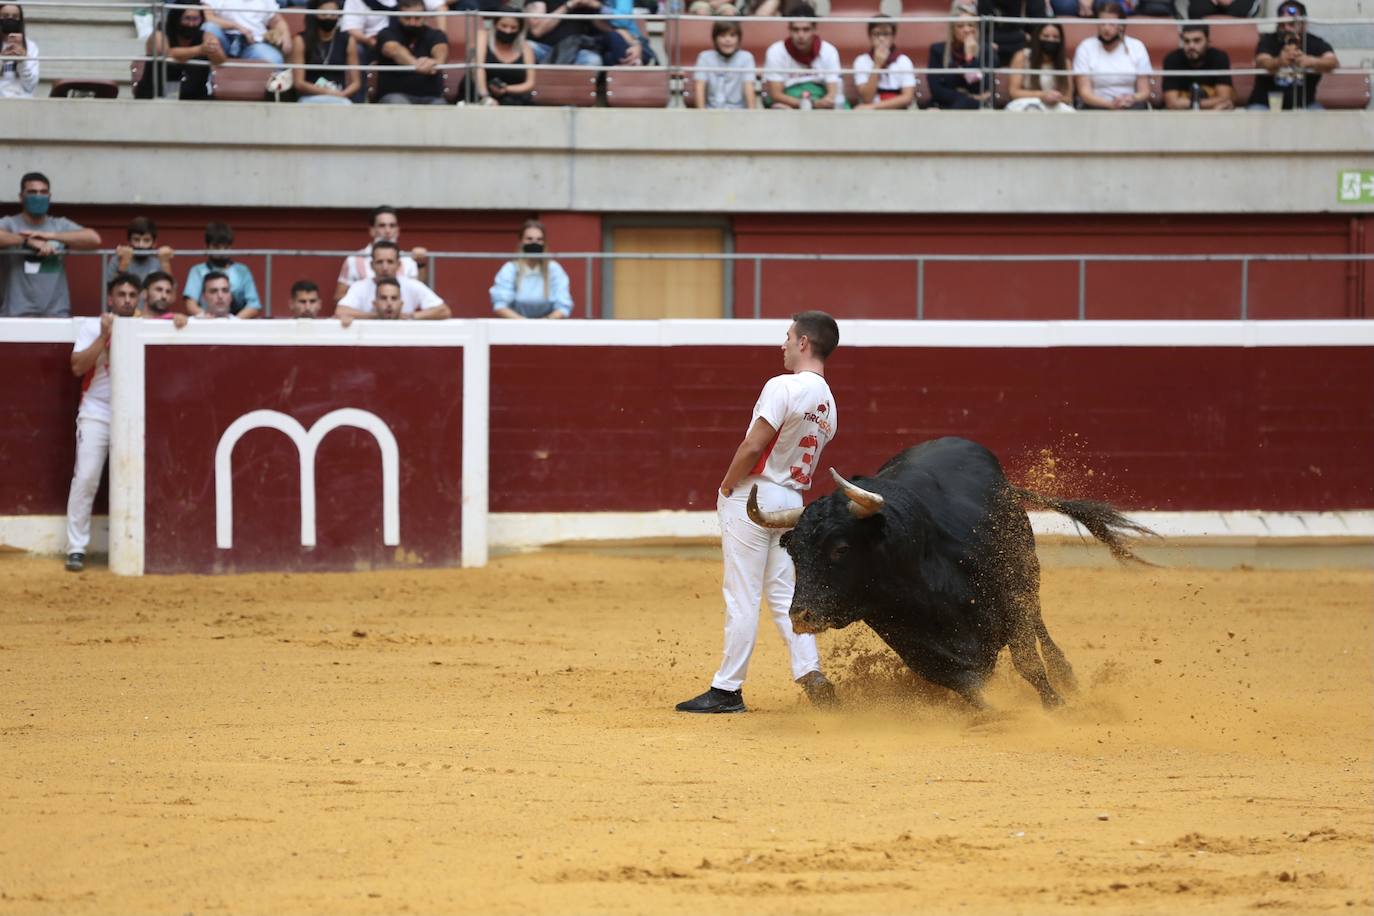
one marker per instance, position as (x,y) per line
(757,569)
(92,448)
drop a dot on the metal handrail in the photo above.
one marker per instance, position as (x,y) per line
(758,259)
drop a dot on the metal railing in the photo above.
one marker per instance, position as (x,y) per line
(756,261)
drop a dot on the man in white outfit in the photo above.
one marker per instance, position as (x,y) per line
(793,420)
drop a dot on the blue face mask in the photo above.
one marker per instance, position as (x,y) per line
(36,204)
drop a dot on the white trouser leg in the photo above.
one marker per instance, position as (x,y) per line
(749,552)
(780,581)
(92,448)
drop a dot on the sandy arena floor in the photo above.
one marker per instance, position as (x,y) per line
(503,741)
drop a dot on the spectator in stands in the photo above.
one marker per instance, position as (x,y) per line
(884,77)
(1008,38)
(1293,60)
(961,51)
(159,288)
(814,80)
(503,75)
(531,286)
(384,226)
(305,299)
(217,296)
(1112,69)
(387,304)
(320,47)
(417,300)
(219,238)
(573,40)
(18,78)
(35,273)
(724,77)
(1241,9)
(251,30)
(409,42)
(1051,87)
(188,51)
(1207,91)
(721,8)
(140,255)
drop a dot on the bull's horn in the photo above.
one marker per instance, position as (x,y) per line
(862,503)
(782,518)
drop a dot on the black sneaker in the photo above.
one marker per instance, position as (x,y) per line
(76,562)
(819,690)
(714,700)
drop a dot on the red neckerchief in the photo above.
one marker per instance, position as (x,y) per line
(804,57)
(892,55)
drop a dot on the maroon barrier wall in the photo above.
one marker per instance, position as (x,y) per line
(955,291)
(598,428)
(38,429)
(195,392)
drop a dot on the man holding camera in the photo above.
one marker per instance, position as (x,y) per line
(1293,60)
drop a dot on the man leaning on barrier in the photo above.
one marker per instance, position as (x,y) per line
(417,300)
(35,271)
(409,42)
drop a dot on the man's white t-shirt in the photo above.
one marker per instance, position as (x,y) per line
(359,267)
(895,77)
(414,295)
(1113,72)
(801,408)
(95,385)
(824,68)
(252,16)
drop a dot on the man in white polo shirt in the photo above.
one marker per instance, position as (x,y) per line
(385,227)
(417,300)
(793,420)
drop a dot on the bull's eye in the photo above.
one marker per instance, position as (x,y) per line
(838,551)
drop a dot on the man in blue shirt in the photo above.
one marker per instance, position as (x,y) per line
(218,238)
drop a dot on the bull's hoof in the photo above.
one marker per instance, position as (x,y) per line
(819,690)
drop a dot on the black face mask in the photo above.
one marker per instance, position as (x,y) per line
(326,23)
(219,260)
(506,38)
(532,248)
(9,26)
(1050,48)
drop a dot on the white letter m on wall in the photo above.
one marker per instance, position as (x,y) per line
(306,444)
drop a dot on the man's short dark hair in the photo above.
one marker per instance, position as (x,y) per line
(141,225)
(218,234)
(121,279)
(1111,7)
(820,329)
(34,176)
(1196,27)
(214,275)
(409,4)
(159,275)
(303,286)
(381,211)
(799,9)
(389,281)
(385,244)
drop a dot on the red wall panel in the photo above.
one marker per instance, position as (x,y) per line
(603,429)
(195,392)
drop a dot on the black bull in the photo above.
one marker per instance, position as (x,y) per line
(936,554)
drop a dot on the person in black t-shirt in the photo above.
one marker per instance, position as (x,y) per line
(409,42)
(1294,59)
(1209,91)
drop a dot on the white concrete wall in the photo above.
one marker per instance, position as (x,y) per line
(240,154)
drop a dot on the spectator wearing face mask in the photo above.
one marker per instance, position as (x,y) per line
(408,42)
(140,255)
(531,286)
(1112,69)
(18,78)
(187,51)
(34,270)
(504,74)
(1048,87)
(320,48)
(243,292)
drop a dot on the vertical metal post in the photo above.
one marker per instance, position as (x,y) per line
(758,286)
(587,269)
(1082,289)
(433,270)
(920,288)
(1244,288)
(267,303)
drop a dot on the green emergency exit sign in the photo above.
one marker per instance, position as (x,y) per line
(1356,188)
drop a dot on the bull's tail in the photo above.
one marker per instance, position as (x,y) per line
(1102,521)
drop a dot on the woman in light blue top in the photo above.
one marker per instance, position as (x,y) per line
(531,286)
